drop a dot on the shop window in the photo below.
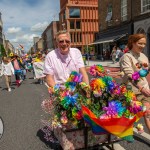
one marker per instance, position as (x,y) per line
(145,6)
(123,10)
(74,13)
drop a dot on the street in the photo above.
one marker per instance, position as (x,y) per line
(22,113)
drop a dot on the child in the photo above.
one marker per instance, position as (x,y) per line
(7,71)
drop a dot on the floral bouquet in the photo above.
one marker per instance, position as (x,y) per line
(112,107)
(66,100)
(104,104)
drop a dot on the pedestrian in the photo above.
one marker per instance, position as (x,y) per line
(120,54)
(58,66)
(117,54)
(132,62)
(38,63)
(7,70)
(17,64)
(113,54)
(60,62)
(126,49)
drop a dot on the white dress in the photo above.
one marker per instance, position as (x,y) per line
(7,69)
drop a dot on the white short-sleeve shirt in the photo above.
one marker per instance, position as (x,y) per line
(62,65)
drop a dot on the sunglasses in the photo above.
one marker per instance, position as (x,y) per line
(62,41)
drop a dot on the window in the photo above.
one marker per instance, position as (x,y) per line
(72,25)
(78,25)
(74,13)
(145,6)
(123,10)
(109,13)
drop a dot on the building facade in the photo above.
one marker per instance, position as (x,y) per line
(118,19)
(80,18)
(9,48)
(1,30)
(142,21)
(49,36)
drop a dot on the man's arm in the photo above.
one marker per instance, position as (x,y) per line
(50,80)
(85,76)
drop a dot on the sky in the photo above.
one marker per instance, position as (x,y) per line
(25,19)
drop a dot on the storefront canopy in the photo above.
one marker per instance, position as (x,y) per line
(108,39)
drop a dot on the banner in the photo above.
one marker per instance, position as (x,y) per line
(38,69)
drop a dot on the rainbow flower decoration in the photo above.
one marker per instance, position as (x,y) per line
(143,71)
(97,70)
(108,108)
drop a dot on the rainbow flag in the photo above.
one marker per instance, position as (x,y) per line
(88,115)
(121,127)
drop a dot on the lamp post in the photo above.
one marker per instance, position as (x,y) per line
(87,49)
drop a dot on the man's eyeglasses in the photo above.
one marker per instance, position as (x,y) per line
(66,41)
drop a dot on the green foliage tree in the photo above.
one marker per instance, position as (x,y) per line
(3,51)
(88,48)
(9,51)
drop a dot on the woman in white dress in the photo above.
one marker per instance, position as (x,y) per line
(7,71)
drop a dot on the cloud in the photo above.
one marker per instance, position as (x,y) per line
(26,38)
(39,27)
(24,19)
(13,30)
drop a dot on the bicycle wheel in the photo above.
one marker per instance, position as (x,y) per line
(1,127)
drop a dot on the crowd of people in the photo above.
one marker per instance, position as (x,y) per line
(19,65)
(117,53)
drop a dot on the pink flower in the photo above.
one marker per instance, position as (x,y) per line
(135,76)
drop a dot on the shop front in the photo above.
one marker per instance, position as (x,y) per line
(105,40)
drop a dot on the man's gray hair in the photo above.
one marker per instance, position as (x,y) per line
(62,32)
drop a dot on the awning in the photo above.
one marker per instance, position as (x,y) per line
(108,39)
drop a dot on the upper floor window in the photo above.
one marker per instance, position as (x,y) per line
(123,10)
(72,25)
(75,24)
(109,13)
(78,25)
(74,13)
(145,6)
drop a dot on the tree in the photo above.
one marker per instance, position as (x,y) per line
(3,51)
(9,51)
(88,48)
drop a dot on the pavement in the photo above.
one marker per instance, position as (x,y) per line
(106,63)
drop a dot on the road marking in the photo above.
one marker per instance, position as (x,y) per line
(1,127)
(116,147)
(144,134)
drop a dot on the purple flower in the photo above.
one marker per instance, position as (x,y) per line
(135,76)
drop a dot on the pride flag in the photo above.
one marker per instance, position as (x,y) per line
(121,127)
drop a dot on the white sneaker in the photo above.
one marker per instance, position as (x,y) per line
(9,90)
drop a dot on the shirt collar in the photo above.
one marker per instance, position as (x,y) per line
(136,55)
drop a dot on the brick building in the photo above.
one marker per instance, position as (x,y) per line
(1,30)
(80,18)
(118,19)
(49,36)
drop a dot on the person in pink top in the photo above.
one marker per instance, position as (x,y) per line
(60,62)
